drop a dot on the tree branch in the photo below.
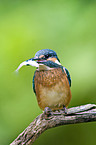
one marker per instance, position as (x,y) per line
(80,114)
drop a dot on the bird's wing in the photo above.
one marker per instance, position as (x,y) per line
(68,75)
(34,84)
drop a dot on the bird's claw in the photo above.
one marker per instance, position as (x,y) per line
(64,110)
(48,111)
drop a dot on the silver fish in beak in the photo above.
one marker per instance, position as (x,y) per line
(28,62)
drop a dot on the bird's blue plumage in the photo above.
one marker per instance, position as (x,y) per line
(34,84)
(68,75)
(51,64)
(47,53)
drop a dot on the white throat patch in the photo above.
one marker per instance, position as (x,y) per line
(57,62)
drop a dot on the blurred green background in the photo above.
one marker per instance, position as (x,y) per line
(69,28)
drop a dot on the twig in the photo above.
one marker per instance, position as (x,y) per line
(80,114)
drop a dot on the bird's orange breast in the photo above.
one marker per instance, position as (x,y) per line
(52,89)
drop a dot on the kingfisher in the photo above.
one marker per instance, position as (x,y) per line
(51,80)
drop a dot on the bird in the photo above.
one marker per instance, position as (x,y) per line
(51,80)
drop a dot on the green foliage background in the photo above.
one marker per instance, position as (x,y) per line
(69,28)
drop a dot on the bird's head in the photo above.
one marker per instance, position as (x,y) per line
(44,59)
(45,55)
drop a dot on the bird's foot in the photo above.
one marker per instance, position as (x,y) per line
(47,112)
(64,110)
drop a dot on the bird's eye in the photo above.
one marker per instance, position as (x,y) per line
(46,56)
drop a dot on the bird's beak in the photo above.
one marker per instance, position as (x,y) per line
(36,58)
(31,62)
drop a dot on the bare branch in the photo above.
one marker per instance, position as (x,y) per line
(80,114)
